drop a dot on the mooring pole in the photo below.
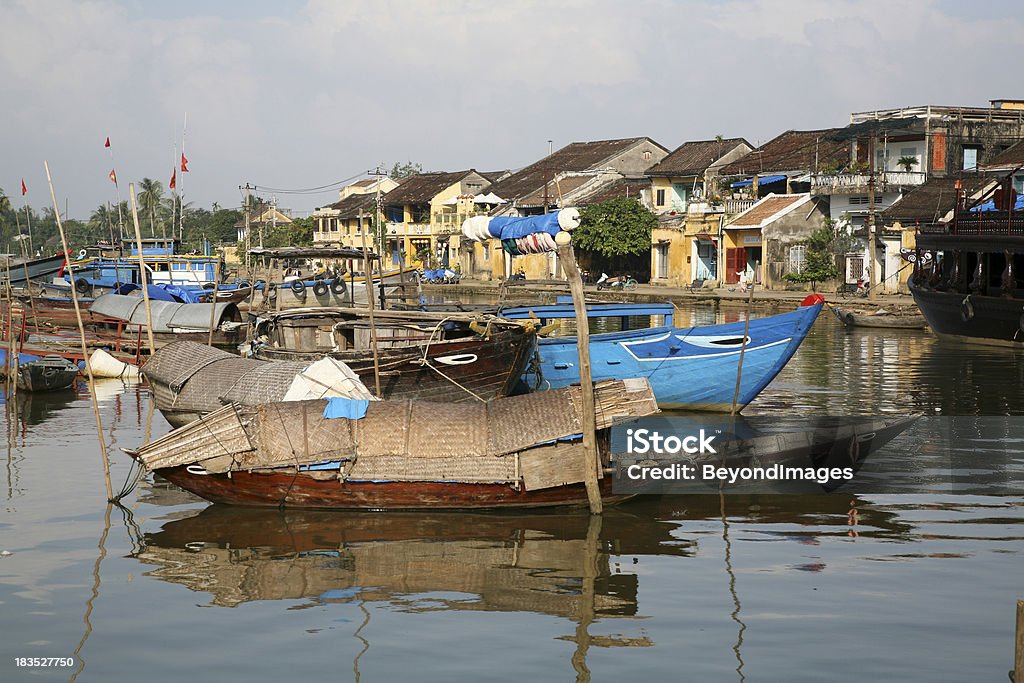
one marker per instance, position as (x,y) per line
(142,271)
(1018,652)
(367,275)
(743,346)
(213,302)
(81,332)
(592,463)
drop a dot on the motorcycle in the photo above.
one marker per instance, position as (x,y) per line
(617,282)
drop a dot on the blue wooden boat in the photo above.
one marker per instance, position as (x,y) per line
(688,368)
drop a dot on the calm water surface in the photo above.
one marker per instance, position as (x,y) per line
(915,586)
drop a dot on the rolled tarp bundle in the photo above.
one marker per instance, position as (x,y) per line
(529,234)
(569,219)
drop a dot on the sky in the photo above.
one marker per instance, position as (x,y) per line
(291,96)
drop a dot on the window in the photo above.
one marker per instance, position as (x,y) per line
(660,198)
(860,200)
(797,256)
(647,156)
(970,158)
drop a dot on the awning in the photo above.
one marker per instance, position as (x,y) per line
(762,180)
(705,237)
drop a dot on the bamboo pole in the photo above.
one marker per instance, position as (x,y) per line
(142,271)
(743,347)
(81,332)
(12,359)
(213,302)
(28,280)
(1018,651)
(592,463)
(369,304)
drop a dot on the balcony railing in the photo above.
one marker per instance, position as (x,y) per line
(841,183)
(979,224)
(738,205)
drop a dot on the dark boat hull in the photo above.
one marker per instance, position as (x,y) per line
(302,490)
(37,268)
(47,374)
(991,320)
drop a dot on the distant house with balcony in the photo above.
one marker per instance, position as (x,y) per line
(339,223)
(894,151)
(685,195)
(424,213)
(263,217)
(783,165)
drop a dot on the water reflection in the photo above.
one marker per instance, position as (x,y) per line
(531,562)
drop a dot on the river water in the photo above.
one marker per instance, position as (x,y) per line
(919,585)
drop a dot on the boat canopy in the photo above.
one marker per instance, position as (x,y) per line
(168,316)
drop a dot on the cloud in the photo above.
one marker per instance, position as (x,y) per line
(302,95)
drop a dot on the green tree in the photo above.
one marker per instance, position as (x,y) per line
(407,169)
(617,227)
(820,259)
(151,192)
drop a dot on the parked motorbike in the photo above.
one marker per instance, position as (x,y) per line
(617,282)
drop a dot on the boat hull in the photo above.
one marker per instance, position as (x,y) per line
(302,490)
(989,320)
(689,369)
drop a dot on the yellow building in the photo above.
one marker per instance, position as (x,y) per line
(339,223)
(425,212)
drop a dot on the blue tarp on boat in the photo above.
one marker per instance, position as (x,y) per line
(510,228)
(348,408)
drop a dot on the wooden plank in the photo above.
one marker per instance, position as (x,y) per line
(550,466)
(1018,656)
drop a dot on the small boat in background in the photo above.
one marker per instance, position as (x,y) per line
(41,373)
(880,318)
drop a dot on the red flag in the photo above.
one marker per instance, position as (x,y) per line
(113,177)
(174,178)
(107,143)
(184,163)
(23,188)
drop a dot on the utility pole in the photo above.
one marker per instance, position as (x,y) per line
(378,218)
(246,209)
(872,294)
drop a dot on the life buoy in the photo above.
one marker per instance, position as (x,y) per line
(83,286)
(298,288)
(320,288)
(82,255)
(966,309)
(337,286)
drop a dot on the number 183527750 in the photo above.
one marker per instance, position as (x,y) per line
(44,661)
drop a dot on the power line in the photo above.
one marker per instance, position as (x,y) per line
(309,190)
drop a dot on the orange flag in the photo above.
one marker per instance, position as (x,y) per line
(184,163)
(23,188)
(174,178)
(113,177)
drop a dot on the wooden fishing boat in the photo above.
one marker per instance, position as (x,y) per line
(190,380)
(880,318)
(37,268)
(521,451)
(42,373)
(688,368)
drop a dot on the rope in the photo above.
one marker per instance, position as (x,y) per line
(425,362)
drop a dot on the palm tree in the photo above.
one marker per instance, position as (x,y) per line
(150,194)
